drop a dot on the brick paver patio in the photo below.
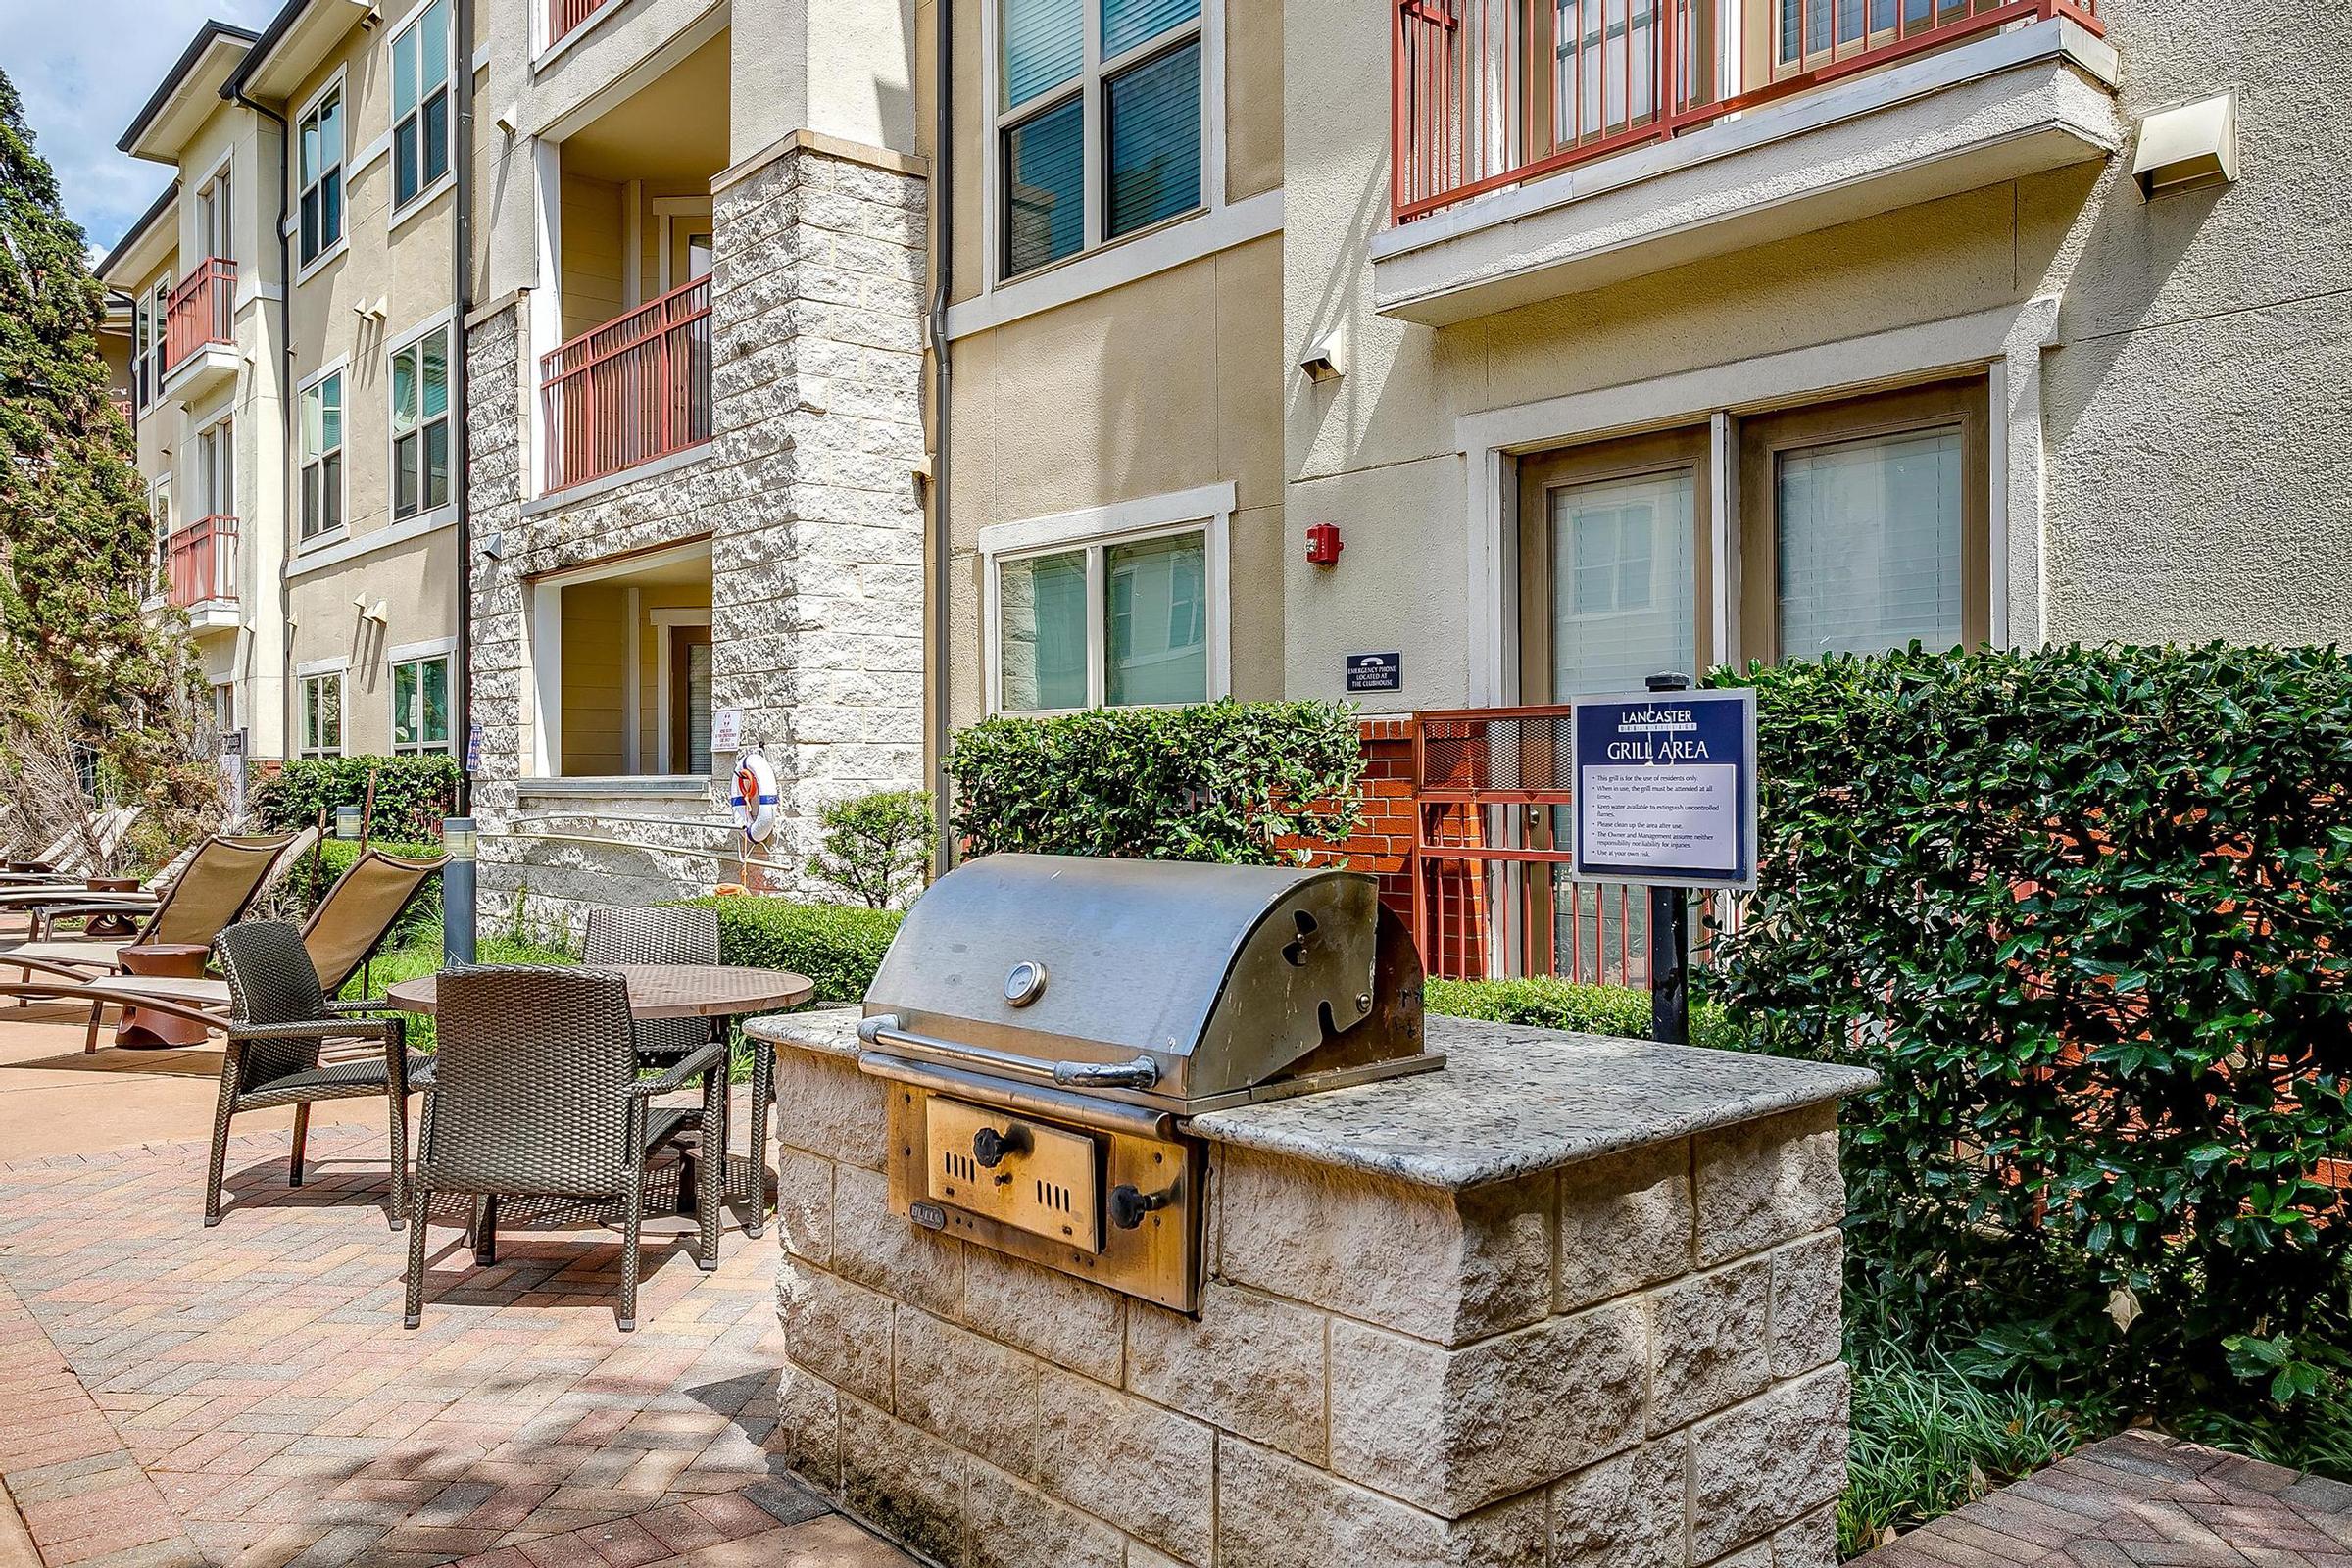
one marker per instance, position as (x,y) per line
(2140,1501)
(171,1395)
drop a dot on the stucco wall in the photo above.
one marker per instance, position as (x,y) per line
(2183,412)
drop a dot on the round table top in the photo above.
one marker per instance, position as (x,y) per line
(663,990)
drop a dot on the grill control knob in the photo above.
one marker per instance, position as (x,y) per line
(990,1147)
(1129,1205)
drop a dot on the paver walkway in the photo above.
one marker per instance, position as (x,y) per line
(2140,1501)
(171,1395)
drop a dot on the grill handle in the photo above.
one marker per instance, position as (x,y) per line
(886,1029)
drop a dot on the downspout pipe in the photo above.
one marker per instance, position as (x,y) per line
(235,90)
(942,269)
(461,467)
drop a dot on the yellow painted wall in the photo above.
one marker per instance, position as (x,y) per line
(595,667)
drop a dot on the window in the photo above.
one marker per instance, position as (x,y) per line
(323,715)
(321,175)
(138,352)
(216,230)
(1868,524)
(420,424)
(322,456)
(420,104)
(217,470)
(1121,608)
(420,706)
(159,508)
(159,313)
(1099,121)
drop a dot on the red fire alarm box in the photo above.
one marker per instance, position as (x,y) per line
(1323,545)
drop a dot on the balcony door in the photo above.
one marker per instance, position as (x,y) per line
(216,233)
(1613,572)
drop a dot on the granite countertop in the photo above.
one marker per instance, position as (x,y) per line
(1511,1101)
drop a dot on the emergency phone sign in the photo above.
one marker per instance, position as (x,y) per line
(1666,789)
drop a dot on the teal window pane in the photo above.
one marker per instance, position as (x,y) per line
(1045,188)
(1157,639)
(404,389)
(404,72)
(1043,46)
(433,33)
(1155,140)
(435,350)
(1128,23)
(1041,632)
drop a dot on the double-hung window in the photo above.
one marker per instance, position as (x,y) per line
(421,423)
(1099,124)
(420,706)
(323,715)
(159,314)
(420,104)
(322,456)
(1122,609)
(321,175)
(138,352)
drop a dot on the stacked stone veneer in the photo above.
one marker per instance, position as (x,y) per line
(806,494)
(1630,1362)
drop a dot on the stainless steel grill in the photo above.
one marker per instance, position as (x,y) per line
(1050,1022)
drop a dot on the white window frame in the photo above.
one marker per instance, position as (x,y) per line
(1206,511)
(1091,84)
(332,86)
(341,366)
(159,496)
(426,190)
(442,651)
(444,322)
(209,194)
(158,346)
(215,448)
(305,678)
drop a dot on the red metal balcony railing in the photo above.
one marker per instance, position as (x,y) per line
(633,390)
(202,311)
(1490,93)
(200,561)
(565,15)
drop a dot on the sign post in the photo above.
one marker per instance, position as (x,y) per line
(1665,792)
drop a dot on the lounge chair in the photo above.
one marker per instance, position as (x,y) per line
(279,1022)
(534,1092)
(64,859)
(213,892)
(342,933)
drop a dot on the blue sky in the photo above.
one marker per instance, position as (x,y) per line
(83,68)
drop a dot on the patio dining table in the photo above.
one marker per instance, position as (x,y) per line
(717,992)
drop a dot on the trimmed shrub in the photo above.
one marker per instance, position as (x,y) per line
(412,794)
(1549,1004)
(876,846)
(1243,783)
(836,945)
(2084,910)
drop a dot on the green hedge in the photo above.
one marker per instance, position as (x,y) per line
(1549,1004)
(2085,911)
(836,946)
(1223,781)
(412,794)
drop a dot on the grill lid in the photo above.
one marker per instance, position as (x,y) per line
(1081,969)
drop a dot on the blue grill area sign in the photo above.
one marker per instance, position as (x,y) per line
(1666,789)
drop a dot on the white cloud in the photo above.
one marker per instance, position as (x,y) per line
(83,68)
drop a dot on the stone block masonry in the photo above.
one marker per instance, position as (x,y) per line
(806,497)
(1624,1360)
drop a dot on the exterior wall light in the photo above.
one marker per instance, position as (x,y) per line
(1321,362)
(2186,147)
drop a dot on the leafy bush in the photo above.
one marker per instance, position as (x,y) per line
(412,794)
(2084,910)
(1228,781)
(835,944)
(876,846)
(1549,1004)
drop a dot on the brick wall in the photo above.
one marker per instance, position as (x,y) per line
(1382,845)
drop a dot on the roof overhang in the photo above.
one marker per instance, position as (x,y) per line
(189,91)
(144,244)
(290,48)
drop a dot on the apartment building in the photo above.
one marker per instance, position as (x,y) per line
(296,369)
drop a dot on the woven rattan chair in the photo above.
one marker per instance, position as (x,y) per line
(534,1092)
(280,1021)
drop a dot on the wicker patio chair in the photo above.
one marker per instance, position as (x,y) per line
(534,1092)
(280,1021)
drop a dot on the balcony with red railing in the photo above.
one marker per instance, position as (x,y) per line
(202,313)
(564,16)
(631,391)
(1673,126)
(200,564)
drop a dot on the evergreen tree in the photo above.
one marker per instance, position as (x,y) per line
(75,538)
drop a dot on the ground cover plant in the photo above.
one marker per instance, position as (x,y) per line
(2084,911)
